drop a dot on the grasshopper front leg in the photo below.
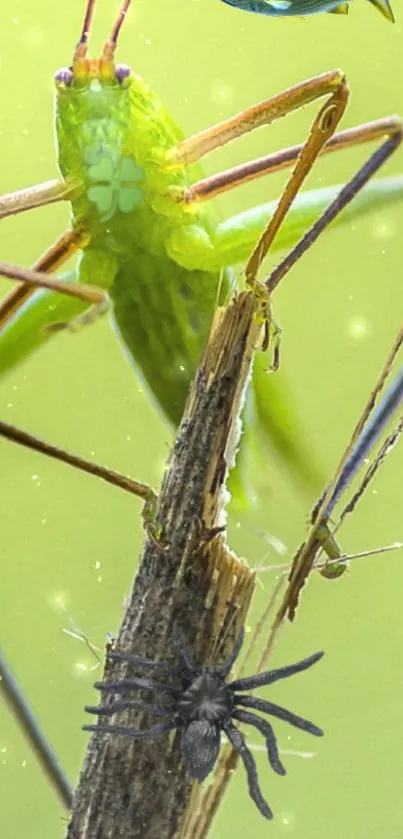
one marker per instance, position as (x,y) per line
(65,247)
(66,302)
(88,294)
(33,197)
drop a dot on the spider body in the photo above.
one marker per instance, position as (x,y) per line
(201,711)
(201,704)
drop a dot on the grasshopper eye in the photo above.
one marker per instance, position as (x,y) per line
(64,76)
(122,72)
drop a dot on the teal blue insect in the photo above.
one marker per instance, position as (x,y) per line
(303,8)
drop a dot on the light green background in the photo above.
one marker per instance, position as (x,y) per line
(66,536)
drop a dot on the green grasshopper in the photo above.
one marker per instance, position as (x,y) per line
(146,235)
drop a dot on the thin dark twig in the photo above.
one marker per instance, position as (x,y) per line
(370,433)
(385,449)
(306,556)
(29,441)
(43,751)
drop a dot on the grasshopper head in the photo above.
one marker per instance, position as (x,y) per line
(83,70)
(92,98)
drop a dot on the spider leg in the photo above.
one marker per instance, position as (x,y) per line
(140,661)
(135,683)
(125,731)
(225,669)
(267,730)
(181,647)
(275,675)
(126,704)
(238,742)
(279,712)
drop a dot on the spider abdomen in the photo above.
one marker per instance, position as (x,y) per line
(200,745)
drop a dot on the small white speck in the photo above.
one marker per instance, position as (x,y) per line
(287,822)
(358,328)
(384,230)
(221,92)
(58,602)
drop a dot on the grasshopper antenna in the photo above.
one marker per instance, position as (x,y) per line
(82,46)
(110,46)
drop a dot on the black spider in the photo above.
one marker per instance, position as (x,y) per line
(201,704)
